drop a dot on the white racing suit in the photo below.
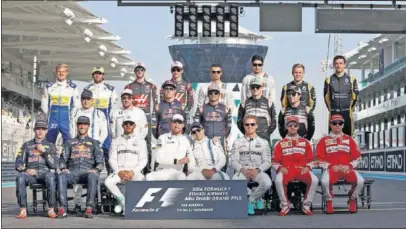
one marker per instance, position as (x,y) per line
(104,99)
(171,148)
(137,114)
(252,153)
(208,155)
(128,152)
(97,130)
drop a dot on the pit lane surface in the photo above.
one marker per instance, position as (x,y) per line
(388,211)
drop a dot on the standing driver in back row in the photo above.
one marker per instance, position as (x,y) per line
(341,94)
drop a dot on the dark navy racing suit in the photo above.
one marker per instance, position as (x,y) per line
(164,113)
(42,160)
(79,156)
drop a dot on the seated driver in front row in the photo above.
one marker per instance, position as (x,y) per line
(250,157)
(338,154)
(128,157)
(173,153)
(81,162)
(209,156)
(34,162)
(293,160)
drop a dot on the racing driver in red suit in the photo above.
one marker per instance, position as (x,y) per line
(145,97)
(338,154)
(293,160)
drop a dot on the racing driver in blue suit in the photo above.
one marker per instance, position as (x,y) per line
(58,100)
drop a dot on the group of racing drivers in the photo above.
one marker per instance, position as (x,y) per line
(98,135)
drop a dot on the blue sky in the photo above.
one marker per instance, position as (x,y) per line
(143,31)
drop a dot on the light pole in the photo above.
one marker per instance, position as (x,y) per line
(34,76)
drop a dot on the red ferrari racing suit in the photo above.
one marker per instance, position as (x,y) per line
(339,150)
(294,153)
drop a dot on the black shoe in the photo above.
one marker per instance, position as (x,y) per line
(78,209)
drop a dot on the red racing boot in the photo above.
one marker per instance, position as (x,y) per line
(89,212)
(285,210)
(329,205)
(62,213)
(306,210)
(23,214)
(352,205)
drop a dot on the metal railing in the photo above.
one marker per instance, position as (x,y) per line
(12,137)
(392,68)
(21,81)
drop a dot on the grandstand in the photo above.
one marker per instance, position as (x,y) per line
(55,32)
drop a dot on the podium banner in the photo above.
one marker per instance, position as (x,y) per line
(207,199)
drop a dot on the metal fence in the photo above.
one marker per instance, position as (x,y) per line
(12,137)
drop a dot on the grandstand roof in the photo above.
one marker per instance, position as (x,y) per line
(366,50)
(61,32)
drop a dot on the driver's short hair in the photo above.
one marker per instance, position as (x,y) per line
(62,66)
(250,117)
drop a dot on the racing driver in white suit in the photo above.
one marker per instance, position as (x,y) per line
(137,114)
(173,154)
(251,158)
(209,156)
(98,128)
(128,157)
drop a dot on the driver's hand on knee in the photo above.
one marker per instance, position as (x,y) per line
(345,168)
(245,172)
(335,168)
(283,170)
(304,170)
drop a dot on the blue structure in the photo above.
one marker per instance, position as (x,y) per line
(234,58)
(233,54)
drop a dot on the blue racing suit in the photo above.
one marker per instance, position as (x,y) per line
(58,100)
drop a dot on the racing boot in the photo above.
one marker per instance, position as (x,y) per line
(89,212)
(260,204)
(306,210)
(62,213)
(352,205)
(251,210)
(52,214)
(329,206)
(120,206)
(284,210)
(23,214)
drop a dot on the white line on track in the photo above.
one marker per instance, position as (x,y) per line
(382,209)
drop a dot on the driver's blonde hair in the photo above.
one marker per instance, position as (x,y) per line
(59,66)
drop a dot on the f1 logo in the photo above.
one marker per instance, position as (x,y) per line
(167,199)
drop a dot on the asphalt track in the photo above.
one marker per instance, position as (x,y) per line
(388,211)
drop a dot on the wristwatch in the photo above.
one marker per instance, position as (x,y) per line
(258,170)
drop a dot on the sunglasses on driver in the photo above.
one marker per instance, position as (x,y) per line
(335,123)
